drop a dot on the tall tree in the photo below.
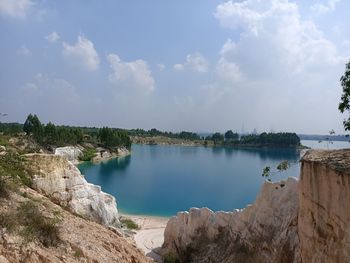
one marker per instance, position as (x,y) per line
(344,104)
(33,126)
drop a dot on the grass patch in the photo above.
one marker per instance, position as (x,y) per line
(37,226)
(130,224)
(88,154)
(13,168)
(32,224)
(8,221)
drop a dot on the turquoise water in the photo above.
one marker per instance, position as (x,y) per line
(162,180)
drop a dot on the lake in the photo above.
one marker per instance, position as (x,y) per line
(162,180)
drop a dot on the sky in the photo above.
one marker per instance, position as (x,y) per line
(203,66)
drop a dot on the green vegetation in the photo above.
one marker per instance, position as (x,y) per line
(170,258)
(283,166)
(52,135)
(88,154)
(184,135)
(271,139)
(344,105)
(31,224)
(130,224)
(11,128)
(229,135)
(13,170)
(49,134)
(29,221)
(112,138)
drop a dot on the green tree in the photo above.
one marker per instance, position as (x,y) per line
(33,126)
(344,105)
(229,135)
(217,137)
(50,133)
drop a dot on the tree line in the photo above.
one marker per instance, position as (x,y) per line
(51,134)
(184,135)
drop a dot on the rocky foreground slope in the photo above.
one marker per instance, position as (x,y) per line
(80,240)
(60,217)
(291,221)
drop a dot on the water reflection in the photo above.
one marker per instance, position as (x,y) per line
(117,164)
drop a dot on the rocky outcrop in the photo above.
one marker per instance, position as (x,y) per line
(104,154)
(263,232)
(62,182)
(72,153)
(324,215)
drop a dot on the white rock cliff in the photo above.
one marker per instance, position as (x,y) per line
(72,153)
(61,181)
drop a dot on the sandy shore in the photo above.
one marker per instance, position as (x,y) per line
(150,237)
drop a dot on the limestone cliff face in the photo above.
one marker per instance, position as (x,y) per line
(61,181)
(324,215)
(263,232)
(72,153)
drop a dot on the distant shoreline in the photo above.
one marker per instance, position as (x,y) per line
(161,140)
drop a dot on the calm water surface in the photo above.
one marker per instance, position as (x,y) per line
(162,180)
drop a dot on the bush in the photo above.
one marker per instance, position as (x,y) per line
(130,224)
(12,167)
(88,154)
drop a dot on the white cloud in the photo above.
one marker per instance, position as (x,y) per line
(274,36)
(82,54)
(178,67)
(320,9)
(52,37)
(278,62)
(15,8)
(195,62)
(161,67)
(24,51)
(133,75)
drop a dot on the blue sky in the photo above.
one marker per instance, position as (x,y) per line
(180,65)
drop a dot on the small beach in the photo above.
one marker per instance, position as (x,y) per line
(149,238)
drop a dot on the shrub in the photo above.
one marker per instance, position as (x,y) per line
(130,224)
(12,166)
(88,154)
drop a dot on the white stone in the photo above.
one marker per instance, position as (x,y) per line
(72,153)
(59,179)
